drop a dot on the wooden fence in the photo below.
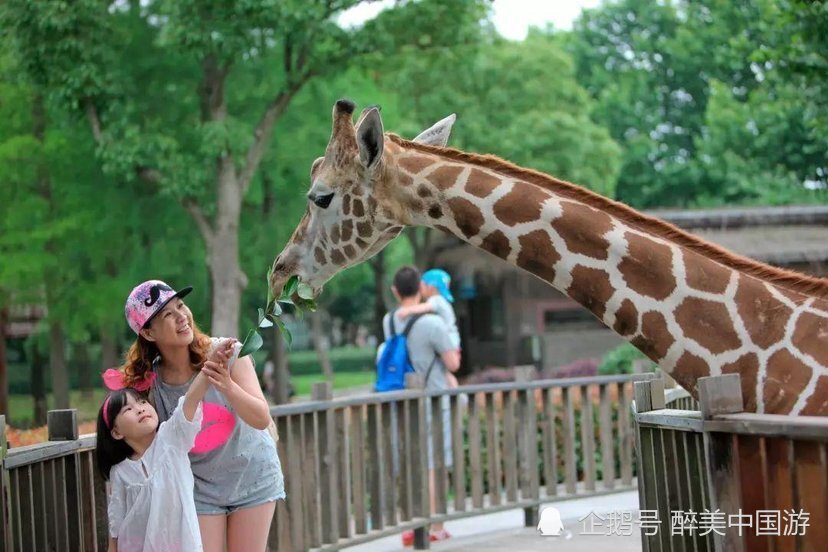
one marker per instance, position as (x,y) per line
(356,468)
(720,479)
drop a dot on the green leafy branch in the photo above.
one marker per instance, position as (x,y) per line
(271,314)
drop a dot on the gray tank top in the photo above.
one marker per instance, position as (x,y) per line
(232,462)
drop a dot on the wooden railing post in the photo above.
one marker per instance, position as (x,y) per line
(527,444)
(649,395)
(62,425)
(328,464)
(722,395)
(418,459)
(5,513)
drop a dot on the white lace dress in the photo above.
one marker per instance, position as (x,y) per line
(151,505)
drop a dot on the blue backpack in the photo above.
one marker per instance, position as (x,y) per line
(394,362)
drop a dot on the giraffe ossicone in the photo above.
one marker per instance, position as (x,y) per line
(692,307)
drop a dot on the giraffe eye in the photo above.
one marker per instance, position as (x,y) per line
(323,201)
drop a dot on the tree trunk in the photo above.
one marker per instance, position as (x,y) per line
(4,370)
(109,349)
(57,364)
(226,274)
(380,307)
(321,344)
(84,365)
(38,386)
(420,238)
(280,393)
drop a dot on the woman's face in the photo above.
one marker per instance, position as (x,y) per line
(173,326)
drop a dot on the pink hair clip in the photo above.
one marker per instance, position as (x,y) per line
(114,380)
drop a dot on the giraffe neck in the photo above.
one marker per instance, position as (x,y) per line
(685,310)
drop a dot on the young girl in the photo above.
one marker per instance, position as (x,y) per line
(151,505)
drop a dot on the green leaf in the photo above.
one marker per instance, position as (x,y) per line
(265,323)
(252,343)
(304,291)
(286,302)
(274,308)
(290,287)
(261,316)
(285,333)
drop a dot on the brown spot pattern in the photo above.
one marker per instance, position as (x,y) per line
(811,336)
(591,288)
(582,228)
(337,258)
(347,229)
(786,378)
(704,274)
(538,255)
(415,163)
(521,204)
(764,316)
(445,177)
(655,339)
(647,268)
(319,255)
(435,211)
(359,208)
(498,244)
(346,204)
(467,216)
(481,184)
(626,319)
(349,251)
(747,366)
(372,204)
(708,323)
(364,229)
(817,403)
(335,234)
(423,191)
(688,370)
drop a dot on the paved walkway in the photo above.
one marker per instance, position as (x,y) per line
(505,531)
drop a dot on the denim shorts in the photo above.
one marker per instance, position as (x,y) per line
(258,499)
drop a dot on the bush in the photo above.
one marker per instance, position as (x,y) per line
(620,361)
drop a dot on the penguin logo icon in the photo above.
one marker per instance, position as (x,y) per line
(550,524)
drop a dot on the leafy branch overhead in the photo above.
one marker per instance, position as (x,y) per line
(275,308)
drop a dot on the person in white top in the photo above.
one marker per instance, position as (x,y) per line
(151,506)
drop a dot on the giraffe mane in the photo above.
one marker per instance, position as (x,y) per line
(791,280)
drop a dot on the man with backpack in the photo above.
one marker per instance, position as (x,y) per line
(422,344)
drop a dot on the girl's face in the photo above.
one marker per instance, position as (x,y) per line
(173,326)
(136,419)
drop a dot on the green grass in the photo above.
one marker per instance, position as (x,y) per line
(21,407)
(343,380)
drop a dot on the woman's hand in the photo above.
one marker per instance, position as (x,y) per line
(219,375)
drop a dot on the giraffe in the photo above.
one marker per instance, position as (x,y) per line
(690,306)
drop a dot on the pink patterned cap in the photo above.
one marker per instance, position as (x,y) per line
(147,300)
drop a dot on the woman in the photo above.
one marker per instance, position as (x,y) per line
(236,469)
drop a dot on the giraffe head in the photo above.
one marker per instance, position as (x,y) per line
(355,203)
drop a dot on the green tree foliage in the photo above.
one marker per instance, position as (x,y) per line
(654,69)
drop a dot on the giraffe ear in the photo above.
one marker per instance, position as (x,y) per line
(438,134)
(370,139)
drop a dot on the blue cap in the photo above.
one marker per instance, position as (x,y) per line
(441,280)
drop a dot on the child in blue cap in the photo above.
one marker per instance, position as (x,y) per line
(434,287)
